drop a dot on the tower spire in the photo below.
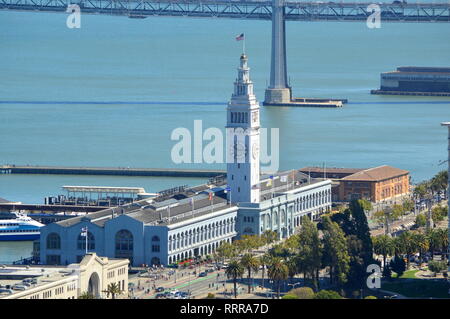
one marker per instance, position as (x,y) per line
(243,138)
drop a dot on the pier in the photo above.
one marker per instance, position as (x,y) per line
(110,171)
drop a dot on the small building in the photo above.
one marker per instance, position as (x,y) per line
(375,184)
(92,275)
(412,80)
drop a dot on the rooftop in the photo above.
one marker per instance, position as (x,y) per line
(379,173)
(331,170)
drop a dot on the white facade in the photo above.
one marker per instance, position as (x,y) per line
(93,275)
(243,139)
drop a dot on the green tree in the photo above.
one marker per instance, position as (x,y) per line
(437,266)
(408,205)
(289,296)
(383,245)
(370,297)
(407,245)
(234,271)
(327,294)
(264,261)
(398,266)
(421,241)
(335,253)
(251,263)
(113,289)
(387,272)
(278,271)
(310,251)
(86,295)
(439,213)
(269,236)
(421,220)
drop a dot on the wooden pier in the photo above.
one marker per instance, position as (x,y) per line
(110,171)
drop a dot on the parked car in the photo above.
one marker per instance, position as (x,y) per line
(160,289)
(19,287)
(203,274)
(160,296)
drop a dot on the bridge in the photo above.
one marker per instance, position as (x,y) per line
(278,11)
(396,11)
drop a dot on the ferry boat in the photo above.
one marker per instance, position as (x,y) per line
(20,228)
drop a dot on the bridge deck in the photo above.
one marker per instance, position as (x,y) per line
(262,10)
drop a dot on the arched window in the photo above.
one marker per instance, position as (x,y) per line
(81,241)
(53,241)
(124,244)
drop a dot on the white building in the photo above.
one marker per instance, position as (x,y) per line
(191,222)
(92,275)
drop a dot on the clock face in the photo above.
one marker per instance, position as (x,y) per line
(255,150)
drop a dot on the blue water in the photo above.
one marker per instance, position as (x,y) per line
(183,69)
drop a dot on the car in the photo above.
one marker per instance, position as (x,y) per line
(203,274)
(160,289)
(4,290)
(19,287)
(160,296)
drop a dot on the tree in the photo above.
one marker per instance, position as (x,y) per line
(421,220)
(406,245)
(437,266)
(86,295)
(225,251)
(278,271)
(335,251)
(302,293)
(383,245)
(309,256)
(113,289)
(251,263)
(439,213)
(370,297)
(408,205)
(264,261)
(398,266)
(234,271)
(421,241)
(387,272)
(210,296)
(327,294)
(269,236)
(289,296)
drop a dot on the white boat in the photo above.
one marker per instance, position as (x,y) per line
(20,228)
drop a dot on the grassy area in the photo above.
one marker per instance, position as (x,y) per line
(418,288)
(410,274)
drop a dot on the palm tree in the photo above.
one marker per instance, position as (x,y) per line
(251,263)
(264,261)
(278,271)
(113,289)
(383,245)
(422,242)
(234,271)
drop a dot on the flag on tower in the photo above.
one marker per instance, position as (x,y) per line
(240,37)
(283,178)
(211,194)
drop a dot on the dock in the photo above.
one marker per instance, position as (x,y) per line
(310,102)
(110,171)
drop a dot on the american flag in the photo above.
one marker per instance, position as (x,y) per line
(211,194)
(240,37)
(84,231)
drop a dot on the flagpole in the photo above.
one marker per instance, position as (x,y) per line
(86,240)
(243,45)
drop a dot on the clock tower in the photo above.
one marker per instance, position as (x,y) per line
(243,139)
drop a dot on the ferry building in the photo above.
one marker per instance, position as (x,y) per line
(192,222)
